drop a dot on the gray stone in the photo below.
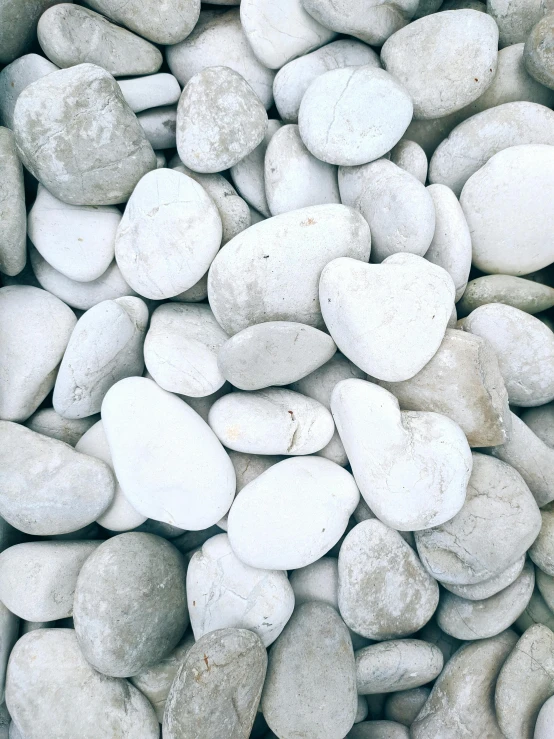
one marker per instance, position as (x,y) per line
(13,215)
(409,155)
(46,665)
(497,524)
(537,55)
(541,422)
(537,612)
(461,703)
(18,25)
(310,689)
(384,591)
(398,664)
(545,720)
(130,607)
(46,486)
(433,634)
(9,632)
(79,138)
(481,590)
(217,689)
(542,549)
(545,584)
(379,730)
(160,126)
(70,34)
(15,77)
(516,18)
(220,120)
(49,423)
(317,582)
(404,705)
(526,295)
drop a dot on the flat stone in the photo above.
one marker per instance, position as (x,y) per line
(398,664)
(270,272)
(169,215)
(497,524)
(18,26)
(13,214)
(542,549)
(384,591)
(463,694)
(218,686)
(160,126)
(49,423)
(70,35)
(15,77)
(220,120)
(459,62)
(409,155)
(394,320)
(130,607)
(292,514)
(273,353)
(79,138)
(310,688)
(353,115)
(485,589)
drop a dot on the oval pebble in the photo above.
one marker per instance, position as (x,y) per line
(142,93)
(409,155)
(516,18)
(398,664)
(492,586)
(526,295)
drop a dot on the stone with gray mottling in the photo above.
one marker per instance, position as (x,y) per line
(516,18)
(537,55)
(541,422)
(159,126)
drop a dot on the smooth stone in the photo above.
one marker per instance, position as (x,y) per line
(397,207)
(462,381)
(537,55)
(545,584)
(105,346)
(294,78)
(292,514)
(44,476)
(164,454)
(271,421)
(195,294)
(542,549)
(248,175)
(310,688)
(76,240)
(168,23)
(362,711)
(37,579)
(171,216)
(541,422)
(9,633)
(524,347)
(273,353)
(160,126)
(49,423)
(537,612)
(379,730)
(47,664)
(353,115)
(471,619)
(221,41)
(86,149)
(451,244)
(80,295)
(481,590)
(463,694)
(13,215)
(403,706)
(531,457)
(119,515)
(545,720)
(280,33)
(153,91)
(15,77)
(412,468)
(223,592)
(270,272)
(130,607)
(181,349)
(526,295)
(497,524)
(516,18)
(220,120)
(34,330)
(525,682)
(507,215)
(388,318)
(317,582)
(409,155)
(293,177)
(398,664)
(70,35)
(18,26)
(155,681)
(384,591)
(487,134)
(433,634)
(459,62)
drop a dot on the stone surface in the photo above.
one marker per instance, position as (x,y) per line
(545,584)
(545,720)
(153,91)
(485,589)
(398,664)
(164,455)
(160,126)
(49,423)
(242,290)
(317,582)
(384,591)
(47,664)
(388,318)
(497,524)
(409,155)
(15,77)
(516,18)
(541,422)
(404,705)
(13,215)
(379,730)
(353,115)
(217,687)
(537,612)
(537,55)
(292,514)
(18,26)
(310,689)
(9,632)
(171,216)
(79,138)
(130,607)
(542,549)
(526,295)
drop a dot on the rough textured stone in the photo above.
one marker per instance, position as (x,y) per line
(13,215)
(537,55)
(398,664)
(516,18)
